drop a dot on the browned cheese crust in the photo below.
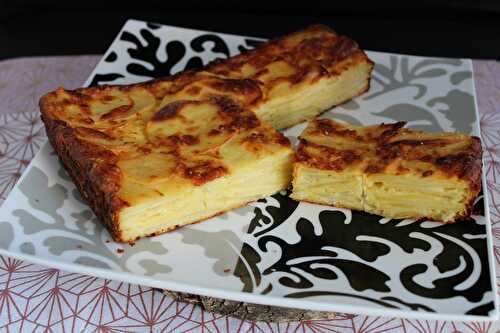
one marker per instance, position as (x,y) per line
(311,54)
(93,170)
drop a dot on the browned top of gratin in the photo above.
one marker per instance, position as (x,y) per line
(389,148)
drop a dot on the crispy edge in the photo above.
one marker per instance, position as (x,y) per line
(472,175)
(91,167)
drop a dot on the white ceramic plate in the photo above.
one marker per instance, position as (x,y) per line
(277,251)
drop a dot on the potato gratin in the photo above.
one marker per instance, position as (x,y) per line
(388,170)
(154,156)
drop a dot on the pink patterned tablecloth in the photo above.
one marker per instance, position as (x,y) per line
(35,298)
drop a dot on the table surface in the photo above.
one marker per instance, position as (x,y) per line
(36,298)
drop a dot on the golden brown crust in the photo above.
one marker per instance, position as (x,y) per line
(92,169)
(455,155)
(171,110)
(201,173)
(326,158)
(308,55)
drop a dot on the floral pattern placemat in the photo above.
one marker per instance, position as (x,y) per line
(37,298)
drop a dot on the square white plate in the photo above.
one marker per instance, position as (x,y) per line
(277,251)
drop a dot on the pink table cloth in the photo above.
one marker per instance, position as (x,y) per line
(35,298)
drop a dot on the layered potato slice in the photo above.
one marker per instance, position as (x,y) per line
(146,167)
(388,170)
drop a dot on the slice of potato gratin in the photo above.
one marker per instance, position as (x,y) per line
(388,170)
(153,156)
(146,170)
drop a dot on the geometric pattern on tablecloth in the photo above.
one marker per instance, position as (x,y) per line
(35,298)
